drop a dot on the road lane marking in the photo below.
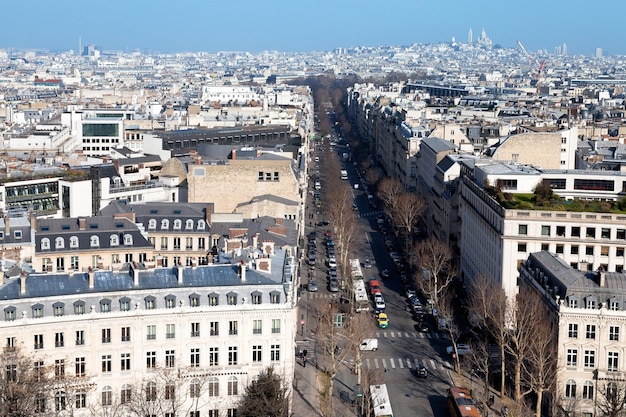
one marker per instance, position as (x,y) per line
(385,334)
(406,334)
(367,363)
(392,362)
(384,363)
(401,363)
(408,363)
(376,362)
(377,334)
(432,364)
(393,334)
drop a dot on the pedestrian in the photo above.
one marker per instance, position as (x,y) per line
(304,352)
(304,362)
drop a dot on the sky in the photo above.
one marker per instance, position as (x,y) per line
(170,26)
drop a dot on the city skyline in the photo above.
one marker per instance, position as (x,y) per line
(298,27)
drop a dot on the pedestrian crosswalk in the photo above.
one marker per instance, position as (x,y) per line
(371,213)
(390,364)
(408,335)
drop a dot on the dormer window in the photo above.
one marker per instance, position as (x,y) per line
(128,239)
(573,302)
(45,243)
(94,241)
(165,224)
(59,243)
(614,304)
(177,224)
(114,240)
(591,302)
(73,241)
(188,224)
(201,224)
(17,234)
(152,224)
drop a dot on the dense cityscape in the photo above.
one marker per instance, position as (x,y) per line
(433,229)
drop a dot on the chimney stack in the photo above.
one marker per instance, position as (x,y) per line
(179,274)
(22,282)
(208,212)
(233,154)
(242,270)
(82,223)
(7,226)
(90,275)
(602,278)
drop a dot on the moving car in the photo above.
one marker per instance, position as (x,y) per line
(421,372)
(369,344)
(383,321)
(385,273)
(461,349)
(374,286)
(423,326)
(379,302)
(367,263)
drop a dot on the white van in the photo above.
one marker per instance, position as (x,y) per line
(369,344)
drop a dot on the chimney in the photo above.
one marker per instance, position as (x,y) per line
(242,270)
(82,223)
(233,154)
(208,213)
(198,160)
(22,282)
(602,278)
(259,152)
(90,275)
(33,221)
(179,274)
(135,274)
(7,226)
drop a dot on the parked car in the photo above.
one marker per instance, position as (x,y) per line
(385,273)
(332,262)
(410,292)
(383,321)
(367,263)
(333,285)
(379,302)
(312,286)
(423,326)
(461,348)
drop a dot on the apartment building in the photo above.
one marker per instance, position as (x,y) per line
(588,312)
(586,240)
(116,338)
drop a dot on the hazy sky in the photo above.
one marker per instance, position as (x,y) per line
(317,25)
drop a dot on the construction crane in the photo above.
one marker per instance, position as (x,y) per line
(530,58)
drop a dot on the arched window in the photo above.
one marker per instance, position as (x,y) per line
(128,239)
(59,243)
(214,387)
(125,394)
(588,390)
(201,224)
(194,388)
(177,224)
(94,241)
(107,396)
(114,240)
(165,224)
(151,391)
(152,224)
(188,224)
(73,241)
(45,243)
(60,401)
(233,385)
(570,388)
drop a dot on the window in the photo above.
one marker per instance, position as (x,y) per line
(231,412)
(256,326)
(59,340)
(59,368)
(79,364)
(125,394)
(170,331)
(188,224)
(176,243)
(232,355)
(189,243)
(573,330)
(232,327)
(80,337)
(213,387)
(214,299)
(125,334)
(60,401)
(591,331)
(177,224)
(194,300)
(574,250)
(605,233)
(163,242)
(589,250)
(588,390)
(151,359)
(522,229)
(40,404)
(125,362)
(275,353)
(570,388)
(150,303)
(194,388)
(619,251)
(106,335)
(151,391)
(94,241)
(151,332)
(232,385)
(604,251)
(105,306)
(213,356)
(45,243)
(195,357)
(106,363)
(37,311)
(545,230)
(613,361)
(80,399)
(613,304)
(231,299)
(152,224)
(195,329)
(545,246)
(575,231)
(212,413)
(170,301)
(572,357)
(621,234)
(614,333)
(560,249)
(560,231)
(74,263)
(9,314)
(573,302)
(275,325)
(591,302)
(170,358)
(201,243)
(589,359)
(275,297)
(256,298)
(170,393)
(590,232)
(38,341)
(256,353)
(214,328)
(59,243)
(128,240)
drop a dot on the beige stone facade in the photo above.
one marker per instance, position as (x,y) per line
(237,182)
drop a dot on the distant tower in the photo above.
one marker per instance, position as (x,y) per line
(598,52)
(564,49)
(470,36)
(80,46)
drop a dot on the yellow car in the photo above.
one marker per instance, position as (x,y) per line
(383,320)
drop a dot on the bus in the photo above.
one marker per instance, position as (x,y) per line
(461,404)
(379,398)
(361,302)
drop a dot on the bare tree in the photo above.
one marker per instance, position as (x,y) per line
(447,323)
(478,365)
(406,212)
(540,367)
(389,189)
(611,398)
(436,261)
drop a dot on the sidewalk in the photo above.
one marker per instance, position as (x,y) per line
(305,395)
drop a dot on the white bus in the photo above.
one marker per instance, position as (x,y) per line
(355,269)
(379,398)
(361,302)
